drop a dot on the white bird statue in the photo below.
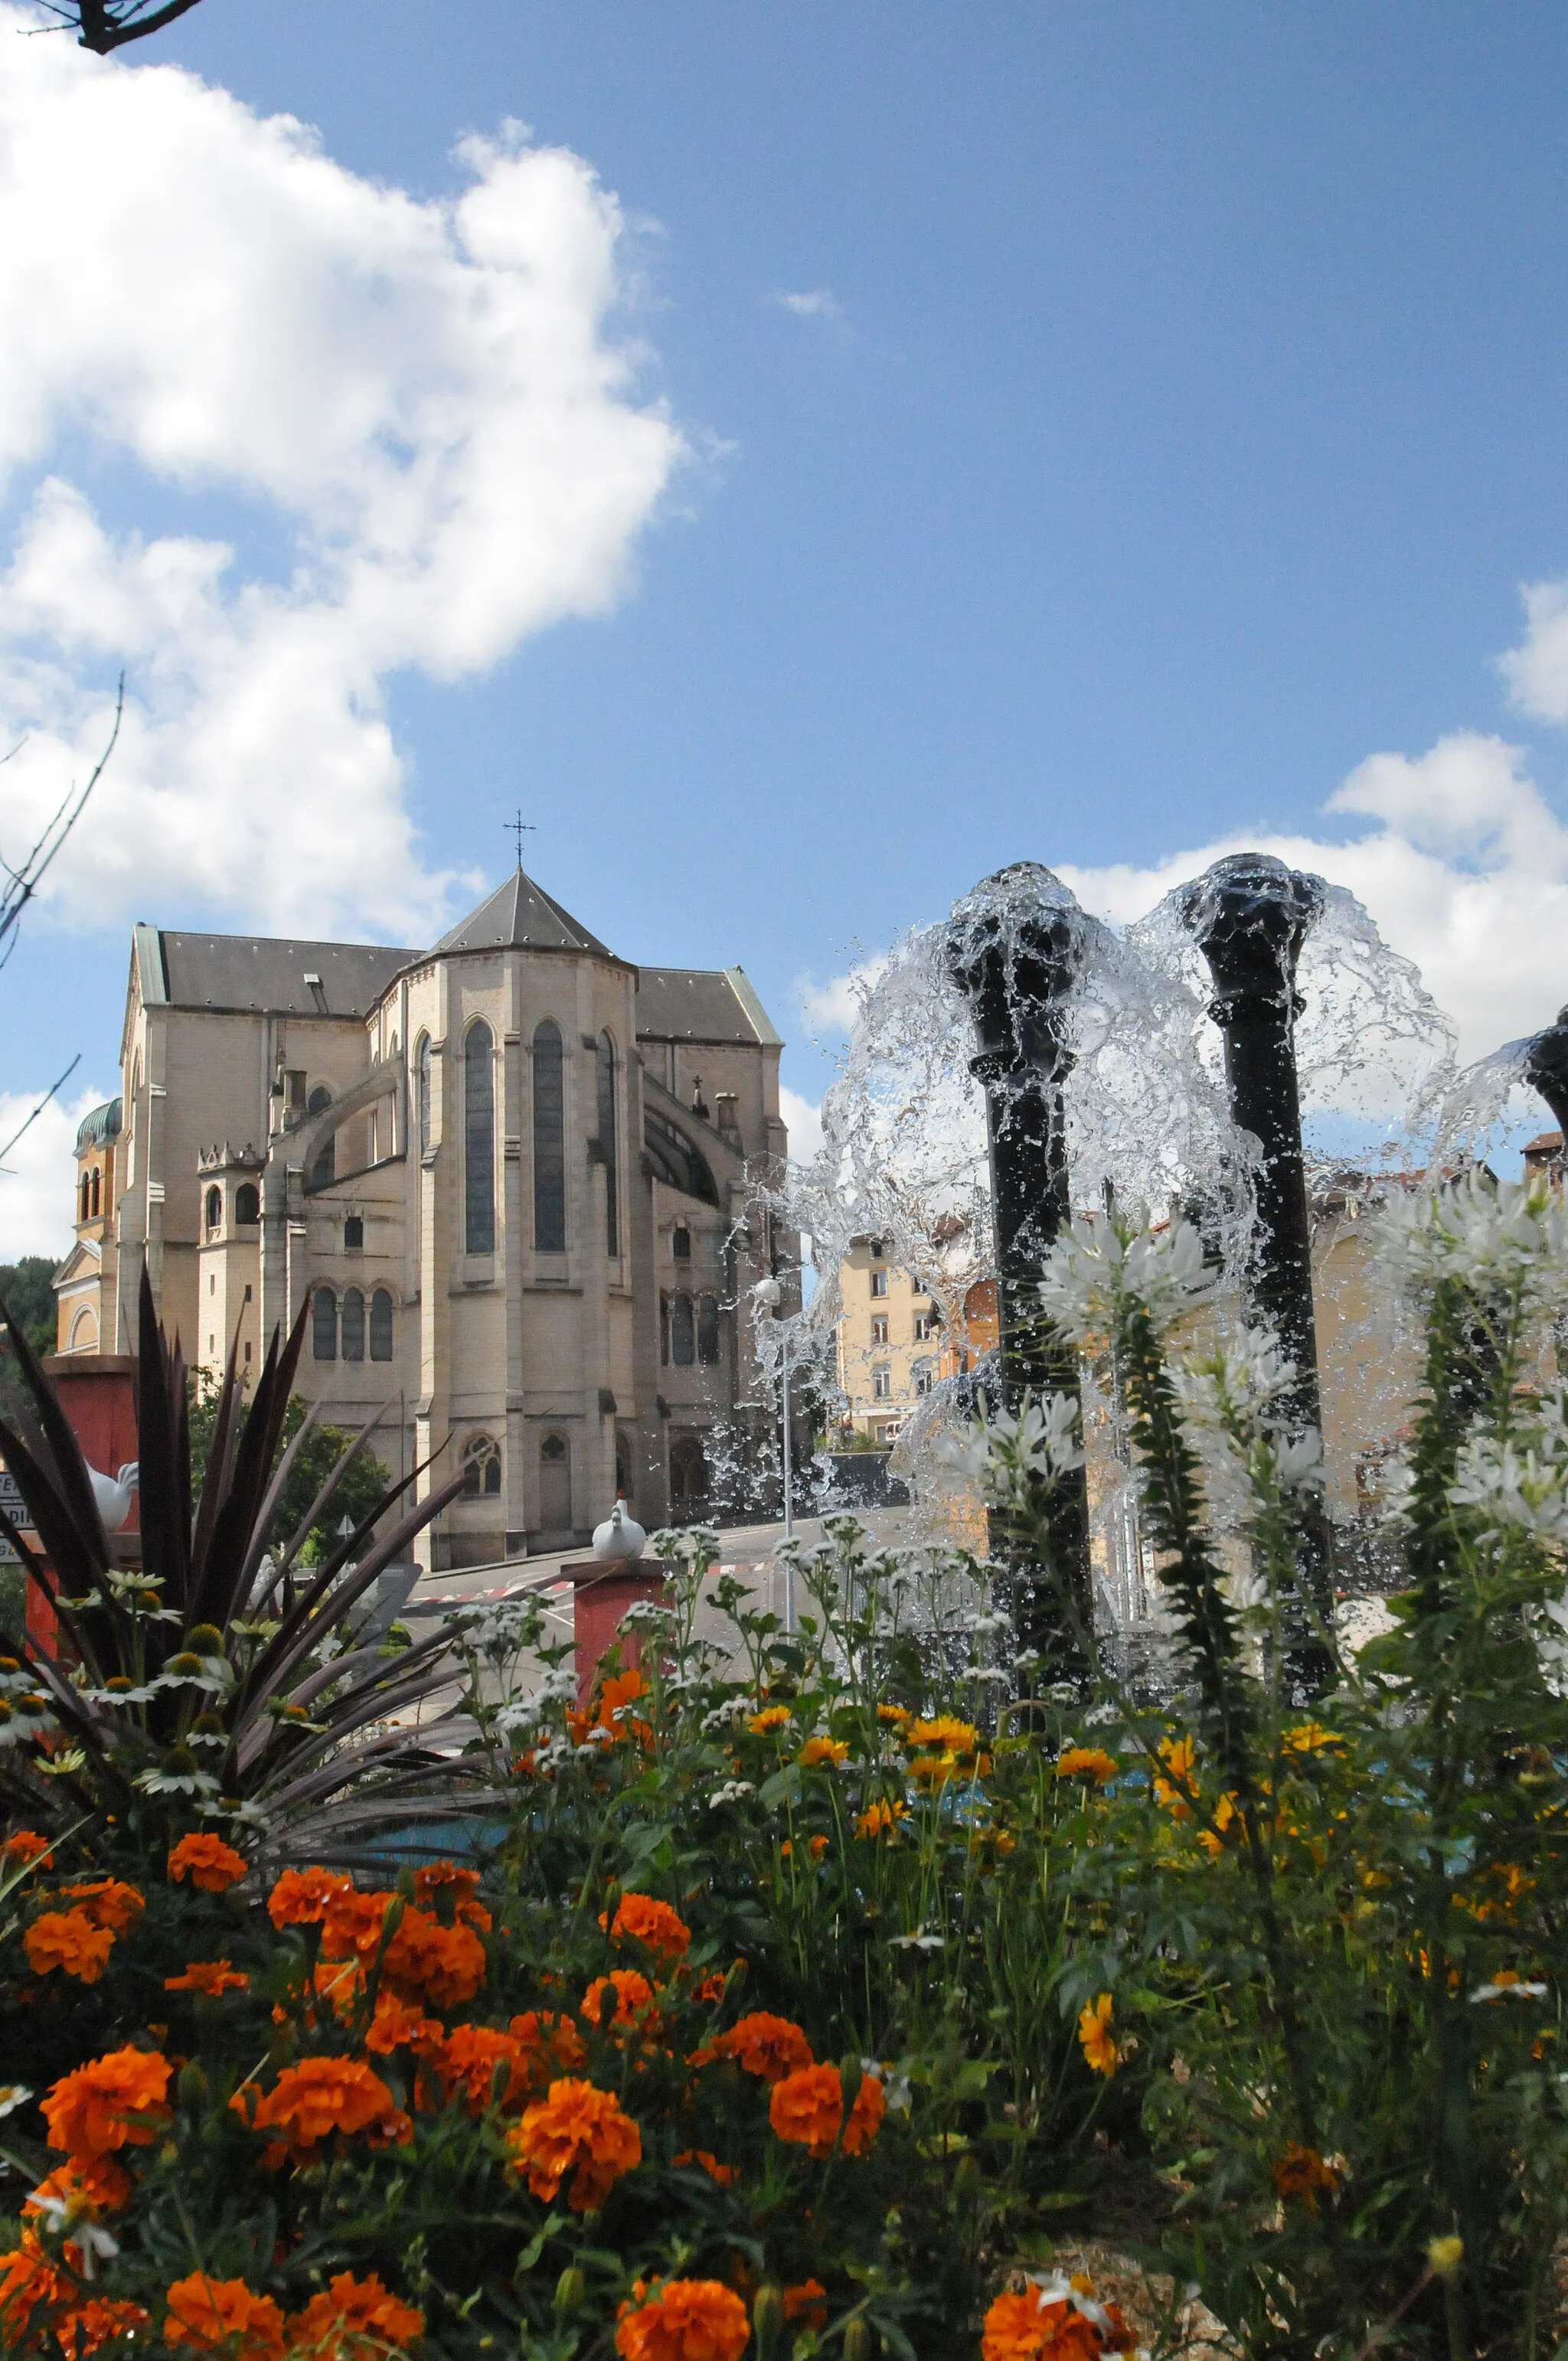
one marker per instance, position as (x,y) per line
(620,1536)
(113,1494)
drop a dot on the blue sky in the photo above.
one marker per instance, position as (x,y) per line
(1174,421)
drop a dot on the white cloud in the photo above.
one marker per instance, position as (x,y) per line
(36,1179)
(1537,673)
(813,303)
(424,405)
(833,1006)
(1467,876)
(804,1121)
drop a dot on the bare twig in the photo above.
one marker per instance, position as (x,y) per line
(23,883)
(28,1126)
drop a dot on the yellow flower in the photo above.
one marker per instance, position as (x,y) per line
(1178,1755)
(1445,2255)
(943,1730)
(1309,1737)
(1212,1839)
(1100,2054)
(1077,1761)
(822,1750)
(880,1818)
(772,1716)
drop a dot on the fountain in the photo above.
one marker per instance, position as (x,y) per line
(1016,948)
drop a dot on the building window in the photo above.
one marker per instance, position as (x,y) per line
(480,1140)
(352,1324)
(708,1330)
(923,1378)
(247,1203)
(380,1326)
(247,1348)
(623,1466)
(481,1468)
(555,1485)
(688,1474)
(606,1144)
(879,1282)
(877,1249)
(97,1183)
(878,1329)
(664,1330)
(683,1333)
(549,1141)
(86,1199)
(422,1092)
(922,1327)
(324,1324)
(681,1243)
(354,1233)
(326,1166)
(881,1383)
(214,1209)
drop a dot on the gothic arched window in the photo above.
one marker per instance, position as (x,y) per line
(214,1209)
(683,1332)
(707,1329)
(247,1202)
(352,1324)
(326,1166)
(479,1141)
(422,1092)
(549,1141)
(481,1467)
(607,1145)
(555,1484)
(688,1473)
(380,1326)
(324,1324)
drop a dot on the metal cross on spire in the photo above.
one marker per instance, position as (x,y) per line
(520,828)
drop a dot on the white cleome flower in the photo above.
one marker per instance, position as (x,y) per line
(1484,1232)
(734,1791)
(1102,1263)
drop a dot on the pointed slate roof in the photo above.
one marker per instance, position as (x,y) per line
(521,915)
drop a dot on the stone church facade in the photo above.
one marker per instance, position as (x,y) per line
(516,1178)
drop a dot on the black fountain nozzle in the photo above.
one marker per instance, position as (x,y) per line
(1546,1070)
(1016,948)
(1250,916)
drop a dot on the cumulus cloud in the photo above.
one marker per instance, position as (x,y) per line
(804,1121)
(1466,872)
(35,1180)
(813,303)
(833,1006)
(420,413)
(1537,673)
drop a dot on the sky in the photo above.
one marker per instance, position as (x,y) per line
(802,459)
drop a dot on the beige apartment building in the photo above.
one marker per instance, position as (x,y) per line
(887,1341)
(515,1177)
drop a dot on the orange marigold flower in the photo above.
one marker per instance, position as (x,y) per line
(108,1902)
(1038,2326)
(350,2318)
(445,1965)
(548,2041)
(807,2107)
(468,2059)
(30,2282)
(879,1818)
(25,1845)
(320,2096)
(223,2316)
(633,2000)
(1301,2172)
(808,2301)
(68,1940)
(723,2174)
(577,2129)
(211,1977)
(651,1922)
(100,2321)
(1096,2039)
(443,1880)
(866,2112)
(353,1923)
(300,1897)
(114,2101)
(683,2319)
(770,2045)
(401,2025)
(822,1750)
(207,1862)
(89,2185)
(713,1985)
(1087,1761)
(772,1716)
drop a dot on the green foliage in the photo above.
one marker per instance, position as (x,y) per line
(362,1483)
(26,1289)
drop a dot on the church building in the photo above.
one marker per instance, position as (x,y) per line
(519,1180)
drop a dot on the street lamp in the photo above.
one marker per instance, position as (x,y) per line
(768,1296)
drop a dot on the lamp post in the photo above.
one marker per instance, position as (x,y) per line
(1250,916)
(1014,949)
(768,1294)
